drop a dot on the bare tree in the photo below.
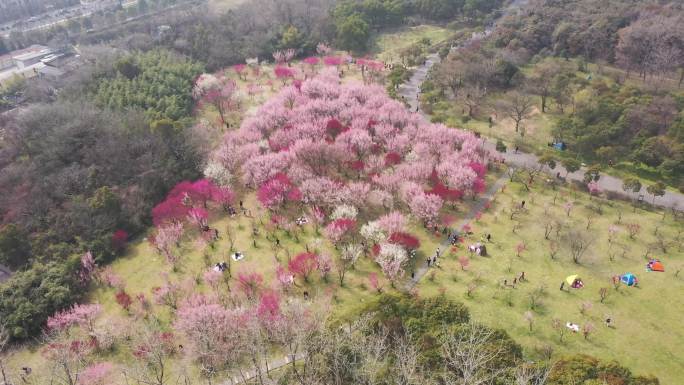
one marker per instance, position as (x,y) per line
(406,361)
(470,356)
(558,327)
(578,242)
(532,374)
(153,350)
(542,79)
(517,107)
(4,339)
(472,97)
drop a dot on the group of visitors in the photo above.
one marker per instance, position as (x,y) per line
(516,280)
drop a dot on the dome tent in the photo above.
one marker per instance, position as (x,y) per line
(629,279)
(655,265)
(574,281)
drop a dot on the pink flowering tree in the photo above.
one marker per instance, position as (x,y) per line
(219,92)
(325,265)
(339,229)
(594,188)
(375,282)
(167,294)
(96,374)
(241,71)
(166,241)
(285,278)
(520,248)
(210,329)
(81,315)
(199,217)
(464,262)
(323,49)
(426,208)
(392,222)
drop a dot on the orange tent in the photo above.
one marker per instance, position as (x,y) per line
(656,266)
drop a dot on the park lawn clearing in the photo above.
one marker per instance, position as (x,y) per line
(222,6)
(647,335)
(388,45)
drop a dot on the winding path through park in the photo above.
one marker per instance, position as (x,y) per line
(410,90)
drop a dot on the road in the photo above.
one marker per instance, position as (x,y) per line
(61,16)
(409,91)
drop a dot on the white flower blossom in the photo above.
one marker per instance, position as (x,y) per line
(344,211)
(217,173)
(373,232)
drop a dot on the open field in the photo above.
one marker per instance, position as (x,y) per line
(220,6)
(387,46)
(646,335)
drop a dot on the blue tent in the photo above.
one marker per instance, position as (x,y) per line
(629,279)
(559,146)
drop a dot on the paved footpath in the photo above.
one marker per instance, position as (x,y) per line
(409,91)
(444,246)
(251,374)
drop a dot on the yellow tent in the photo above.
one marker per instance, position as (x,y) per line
(571,279)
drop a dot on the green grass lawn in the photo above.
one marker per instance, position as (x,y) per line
(647,336)
(220,6)
(387,45)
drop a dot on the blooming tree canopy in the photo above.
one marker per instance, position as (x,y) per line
(347,151)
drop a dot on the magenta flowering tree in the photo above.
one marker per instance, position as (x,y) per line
(284,73)
(303,264)
(268,308)
(186,195)
(312,61)
(333,60)
(277,191)
(119,240)
(241,71)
